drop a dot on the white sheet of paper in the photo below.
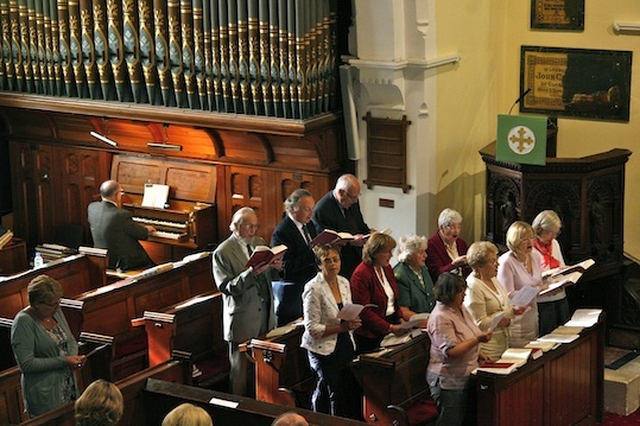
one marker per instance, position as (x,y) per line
(524,296)
(350,311)
(496,321)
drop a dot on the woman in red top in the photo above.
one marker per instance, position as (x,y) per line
(373,282)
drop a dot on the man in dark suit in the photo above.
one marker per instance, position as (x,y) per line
(295,231)
(113,228)
(248,298)
(339,211)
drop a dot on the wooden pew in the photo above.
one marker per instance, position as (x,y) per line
(105,315)
(395,386)
(76,274)
(191,330)
(160,397)
(395,390)
(132,391)
(282,371)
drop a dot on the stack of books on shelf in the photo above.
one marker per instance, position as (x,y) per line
(50,251)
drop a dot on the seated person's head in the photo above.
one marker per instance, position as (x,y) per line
(101,404)
(290,418)
(187,415)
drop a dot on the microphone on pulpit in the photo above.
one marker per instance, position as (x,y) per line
(525,93)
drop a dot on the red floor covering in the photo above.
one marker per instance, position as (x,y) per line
(611,419)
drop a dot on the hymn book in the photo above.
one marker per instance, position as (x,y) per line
(262,255)
(563,277)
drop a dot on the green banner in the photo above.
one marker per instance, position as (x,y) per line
(522,139)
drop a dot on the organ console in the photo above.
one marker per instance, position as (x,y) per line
(190,220)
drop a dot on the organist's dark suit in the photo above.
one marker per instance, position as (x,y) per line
(113,228)
(299,268)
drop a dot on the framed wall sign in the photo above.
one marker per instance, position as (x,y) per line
(558,14)
(576,82)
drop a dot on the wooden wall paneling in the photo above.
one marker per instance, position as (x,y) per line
(33,200)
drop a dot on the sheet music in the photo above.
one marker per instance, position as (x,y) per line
(155,195)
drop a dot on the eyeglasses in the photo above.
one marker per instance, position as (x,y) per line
(527,238)
(454,226)
(353,197)
(51,305)
(250,226)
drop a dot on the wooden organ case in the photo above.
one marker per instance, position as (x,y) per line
(188,221)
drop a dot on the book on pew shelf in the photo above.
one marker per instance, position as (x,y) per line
(351,311)
(498,367)
(518,356)
(92,251)
(155,270)
(393,340)
(584,318)
(329,236)
(559,338)
(544,346)
(564,329)
(536,353)
(263,254)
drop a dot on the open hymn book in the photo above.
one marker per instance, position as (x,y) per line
(329,236)
(563,277)
(263,254)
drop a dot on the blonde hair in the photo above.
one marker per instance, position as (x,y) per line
(478,252)
(517,232)
(43,289)
(101,404)
(187,415)
(377,242)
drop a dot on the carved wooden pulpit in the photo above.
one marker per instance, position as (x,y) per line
(588,195)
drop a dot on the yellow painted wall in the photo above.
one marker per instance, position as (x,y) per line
(488,35)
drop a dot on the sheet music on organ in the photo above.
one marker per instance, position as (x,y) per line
(155,195)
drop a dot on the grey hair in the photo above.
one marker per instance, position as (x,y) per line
(409,245)
(447,217)
(238,218)
(292,201)
(546,220)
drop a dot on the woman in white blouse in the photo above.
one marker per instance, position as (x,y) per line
(486,298)
(328,340)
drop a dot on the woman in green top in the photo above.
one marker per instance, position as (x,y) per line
(415,286)
(45,349)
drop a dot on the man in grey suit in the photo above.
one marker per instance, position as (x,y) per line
(248,299)
(113,228)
